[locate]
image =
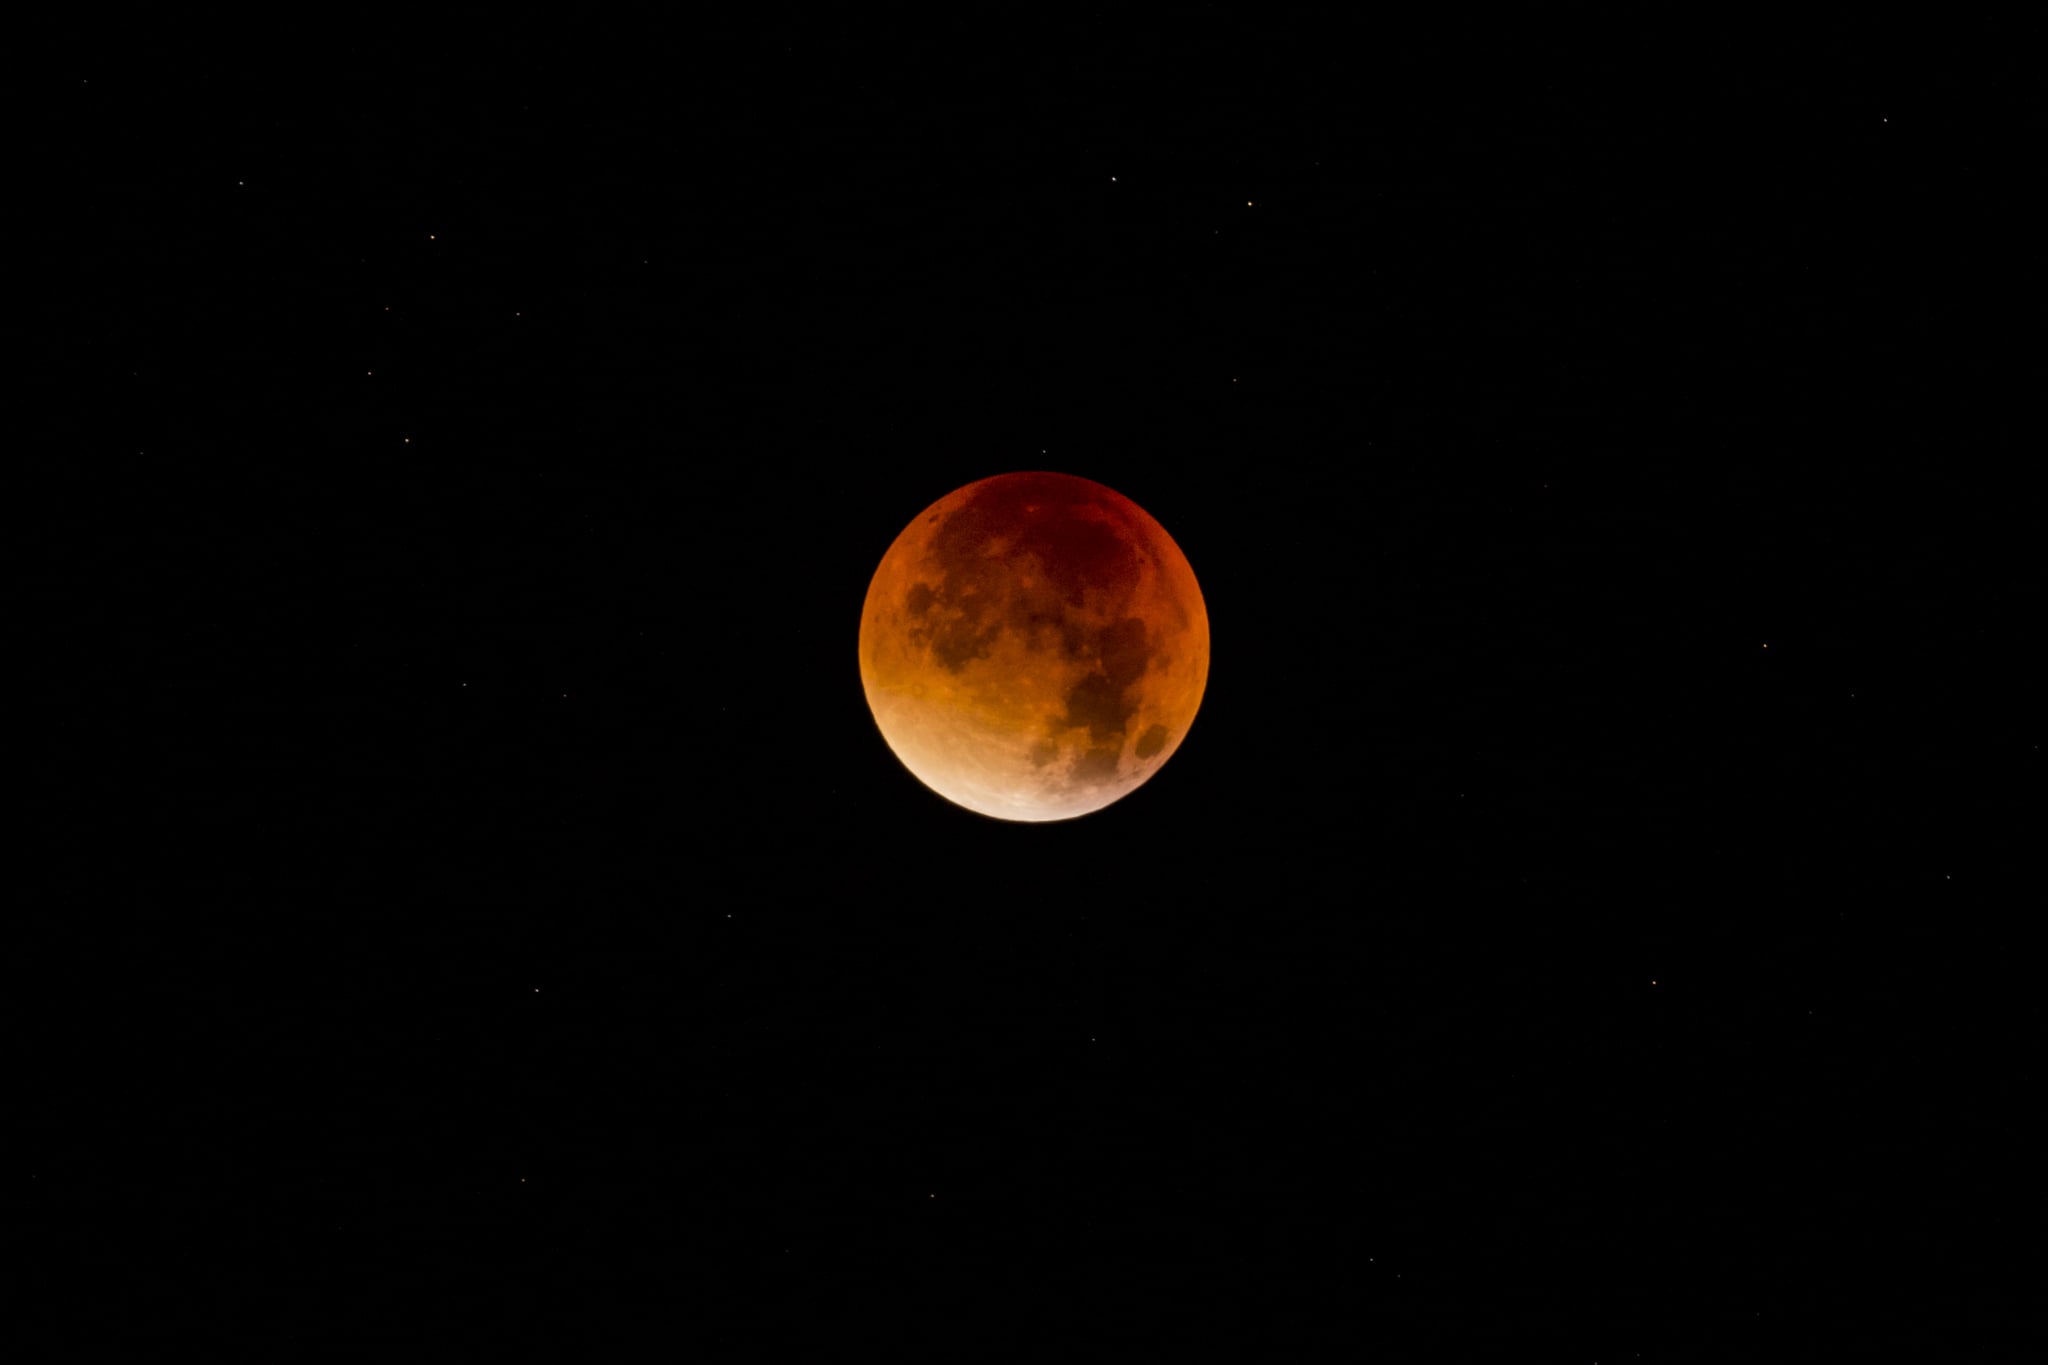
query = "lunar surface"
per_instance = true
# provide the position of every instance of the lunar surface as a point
(1034, 646)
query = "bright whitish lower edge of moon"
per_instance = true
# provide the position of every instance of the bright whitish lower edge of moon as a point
(1034, 647)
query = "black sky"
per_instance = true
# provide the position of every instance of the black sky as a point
(465, 887)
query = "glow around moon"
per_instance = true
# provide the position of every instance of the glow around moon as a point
(1034, 646)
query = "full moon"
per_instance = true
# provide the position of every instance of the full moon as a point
(1034, 646)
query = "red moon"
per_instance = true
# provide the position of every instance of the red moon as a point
(1034, 646)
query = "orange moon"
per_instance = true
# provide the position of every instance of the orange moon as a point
(1034, 646)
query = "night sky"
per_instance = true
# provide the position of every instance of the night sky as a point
(465, 892)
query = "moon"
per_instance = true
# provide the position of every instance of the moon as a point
(1034, 646)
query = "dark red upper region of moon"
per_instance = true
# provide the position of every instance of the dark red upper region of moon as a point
(1034, 646)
